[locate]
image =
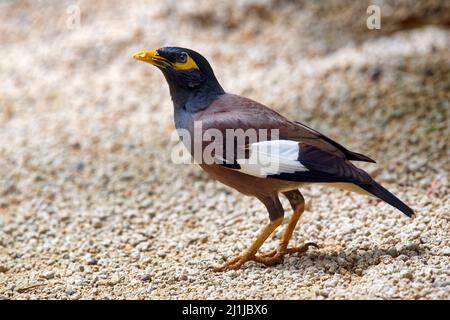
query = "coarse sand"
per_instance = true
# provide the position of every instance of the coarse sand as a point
(92, 207)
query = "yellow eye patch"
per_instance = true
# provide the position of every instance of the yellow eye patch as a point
(188, 65)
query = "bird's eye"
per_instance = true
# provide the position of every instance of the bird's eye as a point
(183, 57)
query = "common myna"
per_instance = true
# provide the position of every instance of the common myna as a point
(287, 156)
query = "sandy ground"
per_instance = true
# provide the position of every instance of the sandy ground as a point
(92, 207)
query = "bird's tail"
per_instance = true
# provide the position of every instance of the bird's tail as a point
(380, 192)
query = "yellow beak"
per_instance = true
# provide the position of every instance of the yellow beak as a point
(152, 57)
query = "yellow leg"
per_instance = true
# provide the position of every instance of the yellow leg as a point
(276, 256)
(249, 254)
(287, 234)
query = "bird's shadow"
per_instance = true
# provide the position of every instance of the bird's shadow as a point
(354, 261)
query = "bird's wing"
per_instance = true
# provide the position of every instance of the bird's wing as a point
(236, 112)
(297, 153)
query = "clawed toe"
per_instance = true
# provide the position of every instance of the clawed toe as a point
(275, 257)
(270, 258)
(234, 263)
(301, 249)
(268, 254)
(298, 249)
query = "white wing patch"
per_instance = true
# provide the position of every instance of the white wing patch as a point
(272, 158)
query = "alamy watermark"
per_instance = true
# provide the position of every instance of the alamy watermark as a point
(230, 147)
(73, 20)
(374, 20)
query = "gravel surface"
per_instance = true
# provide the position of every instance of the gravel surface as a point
(92, 207)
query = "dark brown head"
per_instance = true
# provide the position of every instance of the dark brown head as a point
(187, 72)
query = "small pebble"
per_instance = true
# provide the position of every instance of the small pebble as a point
(424, 240)
(407, 275)
(146, 277)
(70, 291)
(48, 275)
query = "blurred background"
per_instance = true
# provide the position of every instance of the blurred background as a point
(92, 207)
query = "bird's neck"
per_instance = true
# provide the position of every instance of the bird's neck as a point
(197, 99)
(187, 104)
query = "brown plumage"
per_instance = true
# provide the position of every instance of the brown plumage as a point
(302, 155)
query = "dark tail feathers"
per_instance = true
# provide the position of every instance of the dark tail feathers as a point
(380, 192)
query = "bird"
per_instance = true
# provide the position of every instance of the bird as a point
(294, 154)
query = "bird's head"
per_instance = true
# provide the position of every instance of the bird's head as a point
(185, 70)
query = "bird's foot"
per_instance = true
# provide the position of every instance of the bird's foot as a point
(235, 263)
(274, 257)
(270, 258)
